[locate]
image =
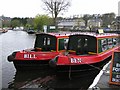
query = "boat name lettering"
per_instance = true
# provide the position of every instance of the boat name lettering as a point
(29, 55)
(75, 60)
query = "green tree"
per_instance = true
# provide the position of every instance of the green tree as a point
(6, 23)
(41, 20)
(15, 23)
(29, 24)
(23, 21)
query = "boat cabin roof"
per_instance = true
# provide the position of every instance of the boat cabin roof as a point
(66, 34)
(104, 35)
(57, 35)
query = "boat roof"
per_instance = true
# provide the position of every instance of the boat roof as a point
(103, 35)
(66, 34)
(57, 35)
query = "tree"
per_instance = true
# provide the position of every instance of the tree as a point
(108, 18)
(15, 23)
(41, 20)
(86, 17)
(23, 21)
(30, 23)
(54, 7)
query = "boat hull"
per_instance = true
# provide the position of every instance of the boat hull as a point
(82, 67)
(28, 64)
(31, 65)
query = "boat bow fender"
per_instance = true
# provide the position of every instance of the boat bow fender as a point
(11, 57)
(63, 60)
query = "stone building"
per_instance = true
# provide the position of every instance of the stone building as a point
(72, 23)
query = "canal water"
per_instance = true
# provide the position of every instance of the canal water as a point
(42, 79)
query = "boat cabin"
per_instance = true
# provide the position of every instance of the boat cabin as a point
(51, 42)
(80, 44)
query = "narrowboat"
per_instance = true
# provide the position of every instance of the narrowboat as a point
(46, 47)
(86, 51)
(30, 31)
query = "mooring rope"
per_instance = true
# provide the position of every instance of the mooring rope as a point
(70, 72)
(98, 68)
(94, 67)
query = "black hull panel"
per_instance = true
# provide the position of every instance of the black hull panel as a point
(85, 67)
(31, 65)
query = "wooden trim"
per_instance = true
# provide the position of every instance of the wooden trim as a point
(111, 67)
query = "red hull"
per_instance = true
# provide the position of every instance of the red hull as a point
(31, 59)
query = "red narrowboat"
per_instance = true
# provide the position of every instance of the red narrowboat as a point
(86, 51)
(46, 47)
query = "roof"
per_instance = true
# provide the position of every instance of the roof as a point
(96, 35)
(66, 34)
(58, 35)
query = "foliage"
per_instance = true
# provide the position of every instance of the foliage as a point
(15, 23)
(6, 23)
(41, 20)
(30, 23)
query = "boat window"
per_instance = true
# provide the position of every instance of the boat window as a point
(107, 43)
(102, 45)
(110, 42)
(48, 41)
(63, 43)
(45, 42)
(82, 44)
(115, 41)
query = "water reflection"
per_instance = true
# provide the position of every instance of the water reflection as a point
(28, 78)
(46, 79)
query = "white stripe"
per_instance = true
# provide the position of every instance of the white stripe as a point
(97, 78)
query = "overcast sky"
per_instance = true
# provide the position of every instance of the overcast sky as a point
(30, 8)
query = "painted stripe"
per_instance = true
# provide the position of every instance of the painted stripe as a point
(97, 78)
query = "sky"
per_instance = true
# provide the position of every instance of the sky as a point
(30, 8)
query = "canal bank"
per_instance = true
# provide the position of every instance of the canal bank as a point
(102, 80)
